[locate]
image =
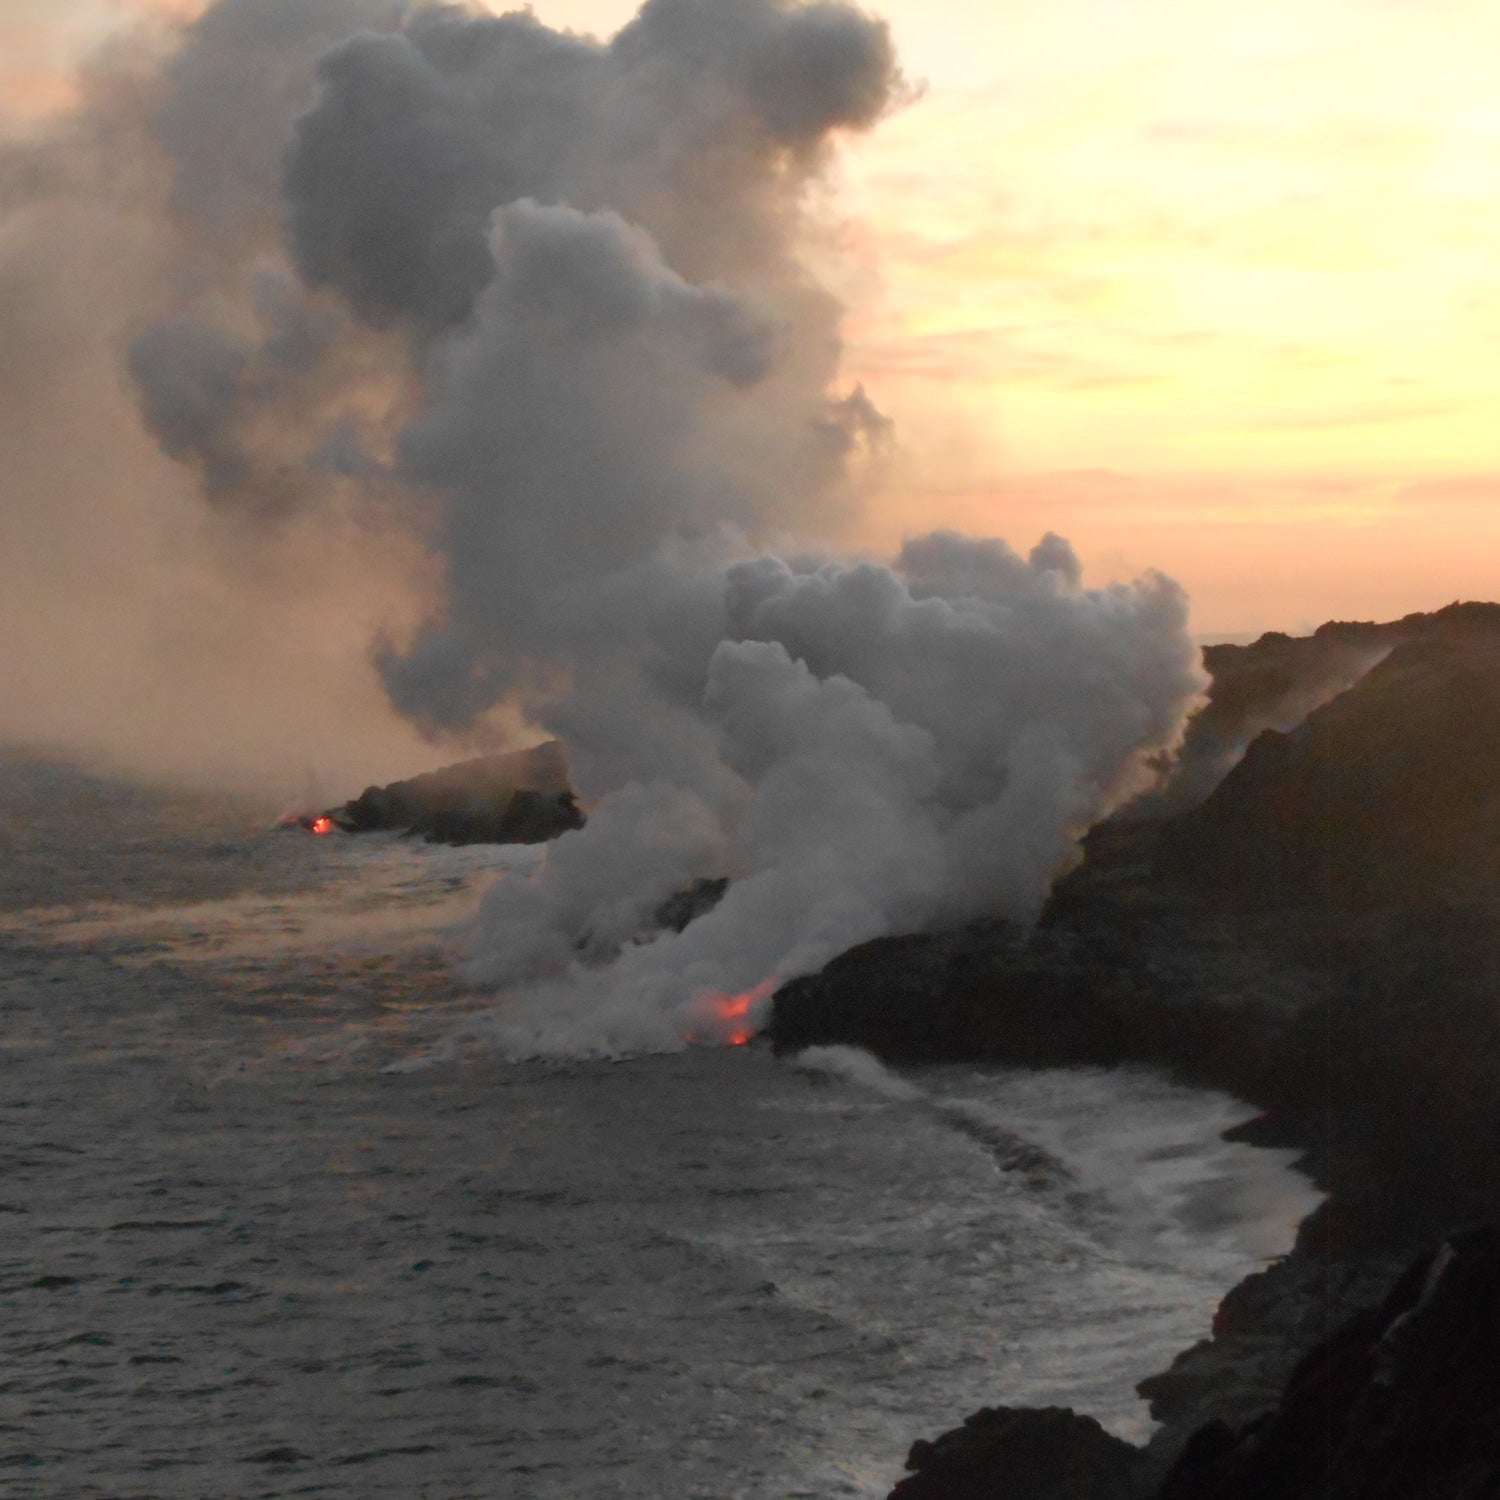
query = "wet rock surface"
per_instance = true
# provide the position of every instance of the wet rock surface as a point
(1260, 1333)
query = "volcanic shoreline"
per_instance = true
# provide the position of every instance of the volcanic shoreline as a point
(1305, 918)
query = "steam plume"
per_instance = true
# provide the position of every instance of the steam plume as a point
(520, 317)
(883, 749)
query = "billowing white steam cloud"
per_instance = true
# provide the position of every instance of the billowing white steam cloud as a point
(883, 749)
(538, 301)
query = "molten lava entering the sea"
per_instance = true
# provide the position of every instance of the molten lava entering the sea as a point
(734, 1012)
(309, 822)
(730, 1020)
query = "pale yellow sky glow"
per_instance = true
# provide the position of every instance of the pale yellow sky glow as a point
(1213, 288)
(1204, 286)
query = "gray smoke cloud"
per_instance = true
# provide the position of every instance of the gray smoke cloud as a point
(594, 249)
(702, 122)
(517, 323)
(158, 350)
(212, 397)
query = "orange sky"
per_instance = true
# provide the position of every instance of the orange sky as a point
(1204, 286)
(1214, 287)
(43, 41)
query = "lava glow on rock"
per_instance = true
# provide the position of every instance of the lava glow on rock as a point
(321, 825)
(734, 1012)
(729, 1020)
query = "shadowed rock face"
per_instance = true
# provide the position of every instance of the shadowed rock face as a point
(1401, 1403)
(521, 798)
(1017, 998)
(1388, 793)
(1276, 682)
(689, 904)
(1005, 1453)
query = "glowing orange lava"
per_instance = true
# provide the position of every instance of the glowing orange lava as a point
(321, 825)
(736, 1010)
(727, 1018)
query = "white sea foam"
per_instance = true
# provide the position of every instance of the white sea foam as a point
(855, 1065)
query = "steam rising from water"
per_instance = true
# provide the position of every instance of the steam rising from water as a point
(883, 749)
(492, 346)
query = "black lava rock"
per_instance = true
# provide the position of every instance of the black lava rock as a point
(520, 798)
(1019, 1453)
(1402, 1402)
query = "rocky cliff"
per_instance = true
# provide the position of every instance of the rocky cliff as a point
(1400, 1402)
(1315, 928)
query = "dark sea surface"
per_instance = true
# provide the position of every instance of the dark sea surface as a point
(273, 1223)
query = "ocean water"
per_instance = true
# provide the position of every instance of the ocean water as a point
(274, 1222)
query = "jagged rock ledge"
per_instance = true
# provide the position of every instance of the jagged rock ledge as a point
(1401, 1402)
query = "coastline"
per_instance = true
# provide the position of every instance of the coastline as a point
(1344, 1029)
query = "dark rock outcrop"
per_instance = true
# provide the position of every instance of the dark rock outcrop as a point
(1136, 986)
(1261, 1330)
(1402, 1402)
(1276, 682)
(690, 903)
(1397, 1397)
(1391, 791)
(520, 798)
(1010, 1453)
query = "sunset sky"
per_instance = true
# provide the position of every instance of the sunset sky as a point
(1203, 286)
